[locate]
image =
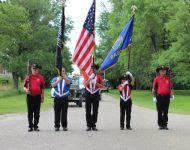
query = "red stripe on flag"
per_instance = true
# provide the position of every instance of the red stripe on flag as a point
(81, 46)
(81, 35)
(83, 51)
(88, 63)
(88, 50)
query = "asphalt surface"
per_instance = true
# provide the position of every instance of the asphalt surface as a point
(144, 136)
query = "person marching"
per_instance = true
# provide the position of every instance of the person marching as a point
(125, 99)
(162, 93)
(34, 88)
(92, 85)
(60, 92)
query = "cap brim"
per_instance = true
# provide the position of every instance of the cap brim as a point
(158, 69)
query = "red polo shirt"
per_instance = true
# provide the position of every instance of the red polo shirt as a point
(163, 85)
(36, 84)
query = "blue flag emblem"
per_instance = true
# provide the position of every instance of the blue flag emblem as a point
(123, 42)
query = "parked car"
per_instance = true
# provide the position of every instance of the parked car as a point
(77, 90)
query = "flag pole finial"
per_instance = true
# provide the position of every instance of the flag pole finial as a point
(63, 3)
(133, 8)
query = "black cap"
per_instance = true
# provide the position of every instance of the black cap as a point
(124, 77)
(95, 66)
(161, 68)
(36, 66)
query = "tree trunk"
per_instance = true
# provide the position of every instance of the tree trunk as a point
(165, 40)
(153, 40)
(15, 79)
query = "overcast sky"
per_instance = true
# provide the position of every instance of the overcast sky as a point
(77, 10)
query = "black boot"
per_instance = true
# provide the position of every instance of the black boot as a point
(94, 129)
(56, 129)
(36, 129)
(30, 129)
(88, 129)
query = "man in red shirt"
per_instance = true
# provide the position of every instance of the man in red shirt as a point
(163, 91)
(93, 84)
(34, 88)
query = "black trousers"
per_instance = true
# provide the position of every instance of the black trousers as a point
(162, 105)
(125, 108)
(33, 105)
(92, 105)
(60, 111)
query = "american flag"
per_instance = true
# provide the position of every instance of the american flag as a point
(83, 53)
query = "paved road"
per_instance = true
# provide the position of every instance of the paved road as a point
(144, 136)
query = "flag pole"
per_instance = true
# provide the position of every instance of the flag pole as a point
(129, 59)
(63, 21)
(133, 8)
(94, 33)
(28, 74)
(62, 30)
(63, 27)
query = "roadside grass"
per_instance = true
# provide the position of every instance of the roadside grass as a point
(16, 102)
(143, 98)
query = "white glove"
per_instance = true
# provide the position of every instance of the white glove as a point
(93, 81)
(60, 78)
(126, 82)
(172, 97)
(154, 99)
(92, 76)
(129, 73)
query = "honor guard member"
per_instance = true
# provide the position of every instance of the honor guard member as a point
(92, 85)
(60, 92)
(163, 92)
(34, 88)
(124, 88)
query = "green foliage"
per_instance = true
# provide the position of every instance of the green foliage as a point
(178, 53)
(29, 30)
(160, 36)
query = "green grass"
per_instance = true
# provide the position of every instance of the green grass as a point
(16, 103)
(180, 105)
(7, 90)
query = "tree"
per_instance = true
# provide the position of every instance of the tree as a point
(40, 44)
(177, 56)
(15, 29)
(160, 36)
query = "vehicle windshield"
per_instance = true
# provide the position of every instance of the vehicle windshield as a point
(75, 81)
(81, 80)
(78, 80)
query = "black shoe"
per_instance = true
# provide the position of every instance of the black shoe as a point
(121, 128)
(30, 129)
(88, 129)
(129, 128)
(166, 128)
(65, 129)
(36, 129)
(161, 128)
(56, 129)
(94, 129)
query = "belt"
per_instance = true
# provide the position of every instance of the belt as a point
(163, 95)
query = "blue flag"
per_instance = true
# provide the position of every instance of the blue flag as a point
(123, 42)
